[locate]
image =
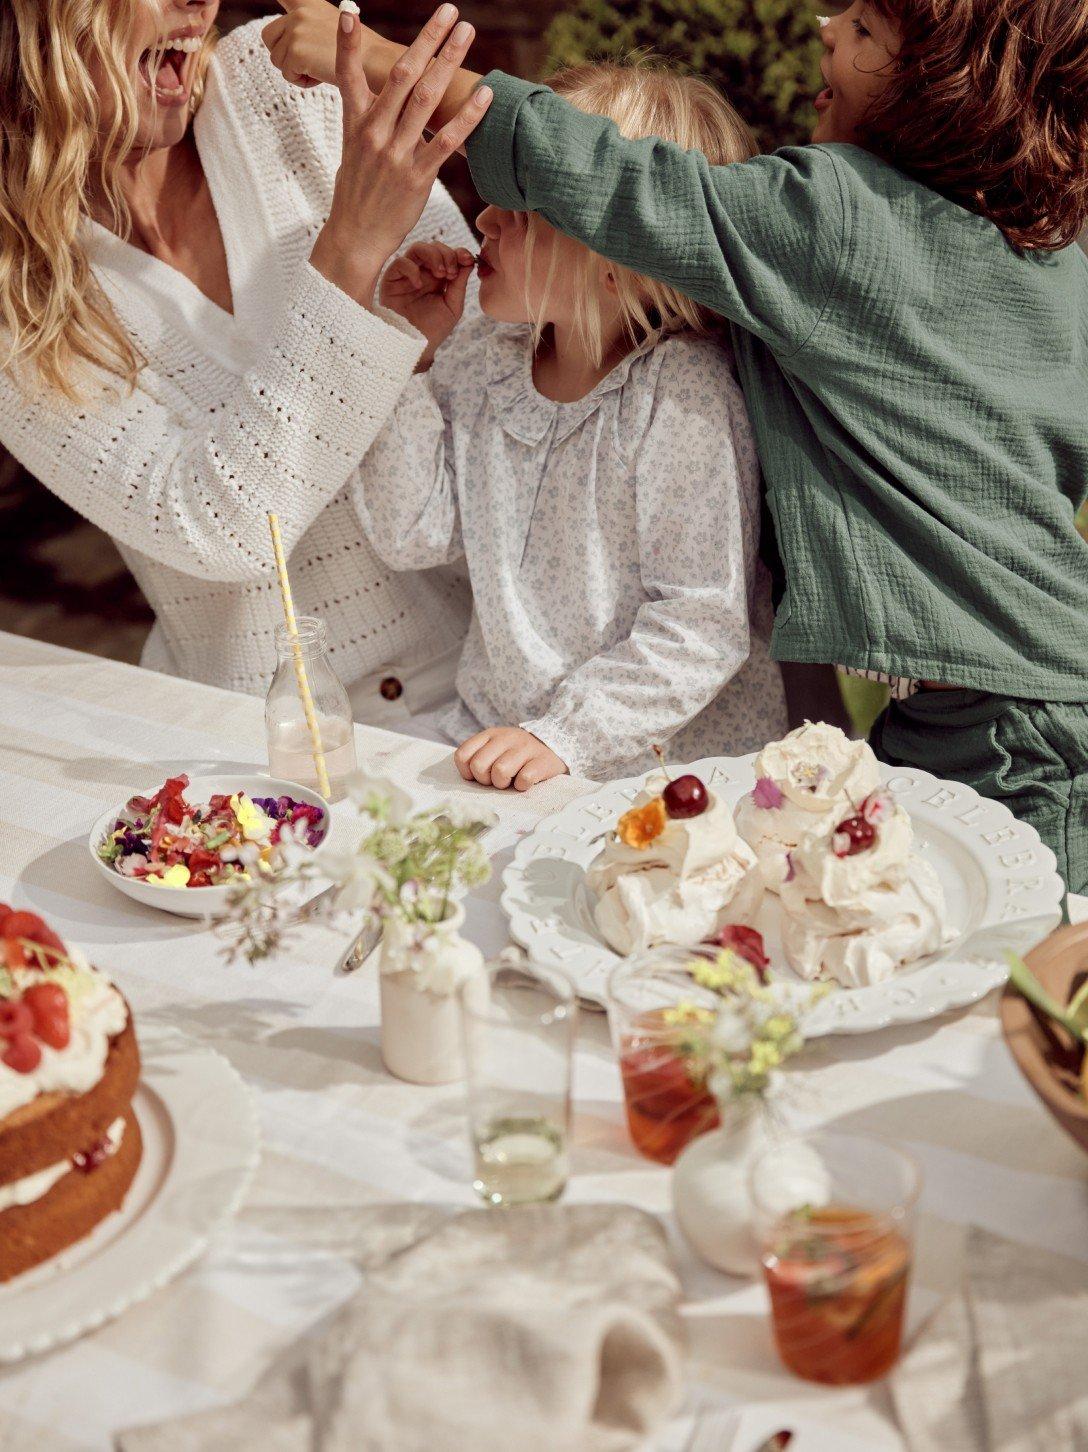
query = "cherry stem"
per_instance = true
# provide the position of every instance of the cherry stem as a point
(657, 751)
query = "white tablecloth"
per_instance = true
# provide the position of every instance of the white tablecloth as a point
(77, 735)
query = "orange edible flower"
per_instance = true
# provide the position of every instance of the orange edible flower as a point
(643, 825)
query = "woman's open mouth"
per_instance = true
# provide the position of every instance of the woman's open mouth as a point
(484, 267)
(824, 99)
(166, 68)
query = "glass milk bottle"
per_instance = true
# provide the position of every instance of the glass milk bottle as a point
(290, 746)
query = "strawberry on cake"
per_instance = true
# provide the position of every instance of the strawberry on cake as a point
(69, 1064)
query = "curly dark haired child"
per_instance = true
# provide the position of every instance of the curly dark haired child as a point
(910, 319)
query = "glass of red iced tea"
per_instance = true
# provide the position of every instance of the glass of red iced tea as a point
(834, 1216)
(659, 1018)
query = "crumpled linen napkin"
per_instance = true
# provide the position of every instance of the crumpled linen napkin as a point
(532, 1329)
(1000, 1367)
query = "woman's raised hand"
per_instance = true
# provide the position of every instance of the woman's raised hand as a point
(387, 168)
(426, 286)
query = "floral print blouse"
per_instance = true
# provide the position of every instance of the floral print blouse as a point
(611, 544)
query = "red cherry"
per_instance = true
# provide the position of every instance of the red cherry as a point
(48, 1004)
(15, 1018)
(22, 1054)
(686, 797)
(853, 835)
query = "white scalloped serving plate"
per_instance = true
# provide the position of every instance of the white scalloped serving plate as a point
(995, 870)
(200, 1148)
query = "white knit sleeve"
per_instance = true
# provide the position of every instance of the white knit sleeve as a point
(193, 492)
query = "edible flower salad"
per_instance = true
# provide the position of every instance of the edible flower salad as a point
(168, 842)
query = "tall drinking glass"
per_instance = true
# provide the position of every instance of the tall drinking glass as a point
(519, 1024)
(659, 1018)
(837, 1265)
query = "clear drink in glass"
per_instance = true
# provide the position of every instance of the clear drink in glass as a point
(518, 1024)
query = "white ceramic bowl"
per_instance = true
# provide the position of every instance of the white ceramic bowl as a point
(195, 902)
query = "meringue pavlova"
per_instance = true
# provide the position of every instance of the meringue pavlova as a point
(860, 903)
(805, 783)
(674, 870)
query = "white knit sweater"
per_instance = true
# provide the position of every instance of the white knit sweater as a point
(272, 408)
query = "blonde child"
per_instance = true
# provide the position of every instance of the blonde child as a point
(585, 447)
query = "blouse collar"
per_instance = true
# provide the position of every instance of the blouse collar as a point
(524, 412)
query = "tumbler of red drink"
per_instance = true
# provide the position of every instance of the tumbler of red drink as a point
(837, 1269)
(660, 1017)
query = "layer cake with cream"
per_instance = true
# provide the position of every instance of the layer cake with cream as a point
(69, 1066)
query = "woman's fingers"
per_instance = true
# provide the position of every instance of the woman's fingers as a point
(350, 74)
(429, 90)
(414, 62)
(456, 132)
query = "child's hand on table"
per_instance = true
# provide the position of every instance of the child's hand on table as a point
(426, 286)
(505, 756)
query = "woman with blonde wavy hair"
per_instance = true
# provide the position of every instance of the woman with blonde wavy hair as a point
(189, 250)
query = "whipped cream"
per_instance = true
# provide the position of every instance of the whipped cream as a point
(691, 880)
(858, 919)
(811, 779)
(96, 1015)
(33, 1187)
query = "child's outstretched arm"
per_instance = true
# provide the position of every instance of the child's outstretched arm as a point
(696, 486)
(760, 241)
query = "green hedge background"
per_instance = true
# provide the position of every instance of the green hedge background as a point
(763, 54)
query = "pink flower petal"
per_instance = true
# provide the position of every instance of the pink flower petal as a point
(767, 794)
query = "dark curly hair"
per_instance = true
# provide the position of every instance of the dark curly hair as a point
(987, 103)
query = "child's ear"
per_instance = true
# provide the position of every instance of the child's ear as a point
(610, 282)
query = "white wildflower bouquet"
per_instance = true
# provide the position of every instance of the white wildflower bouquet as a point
(408, 866)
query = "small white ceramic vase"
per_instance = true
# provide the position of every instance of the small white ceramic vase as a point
(421, 966)
(710, 1194)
